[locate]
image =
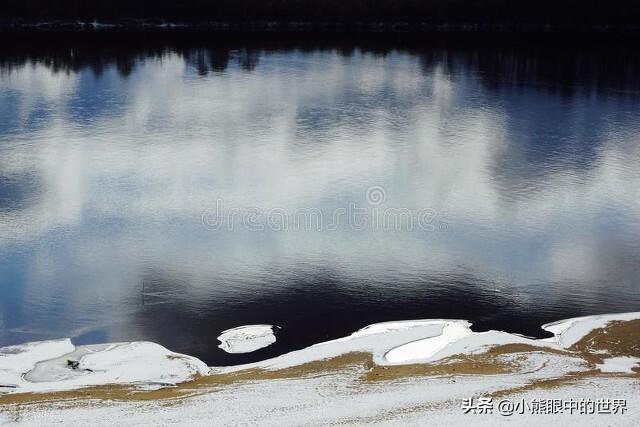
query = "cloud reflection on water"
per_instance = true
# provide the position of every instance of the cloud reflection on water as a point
(105, 175)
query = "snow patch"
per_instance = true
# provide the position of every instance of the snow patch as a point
(570, 331)
(59, 365)
(18, 359)
(619, 364)
(428, 347)
(456, 338)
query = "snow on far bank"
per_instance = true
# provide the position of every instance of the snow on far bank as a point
(619, 364)
(245, 339)
(47, 366)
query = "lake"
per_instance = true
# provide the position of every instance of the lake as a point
(167, 191)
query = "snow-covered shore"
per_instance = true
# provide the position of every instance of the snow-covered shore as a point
(421, 371)
(420, 341)
(48, 365)
(338, 400)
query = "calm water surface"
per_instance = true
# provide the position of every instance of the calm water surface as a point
(155, 194)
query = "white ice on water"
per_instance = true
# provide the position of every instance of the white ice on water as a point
(248, 338)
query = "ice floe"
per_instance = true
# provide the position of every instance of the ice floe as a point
(245, 339)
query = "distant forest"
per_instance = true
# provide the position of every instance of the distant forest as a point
(574, 13)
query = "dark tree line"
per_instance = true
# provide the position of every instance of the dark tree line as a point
(584, 63)
(455, 12)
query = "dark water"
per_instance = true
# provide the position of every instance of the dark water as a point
(166, 192)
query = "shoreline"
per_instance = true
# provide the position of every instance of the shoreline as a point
(590, 361)
(42, 367)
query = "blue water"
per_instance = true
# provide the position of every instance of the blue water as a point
(169, 194)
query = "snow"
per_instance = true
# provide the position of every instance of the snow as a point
(338, 399)
(428, 347)
(456, 339)
(377, 328)
(376, 339)
(41, 367)
(619, 364)
(245, 339)
(44, 366)
(18, 359)
(570, 331)
(400, 343)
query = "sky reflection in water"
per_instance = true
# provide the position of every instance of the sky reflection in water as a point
(533, 179)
